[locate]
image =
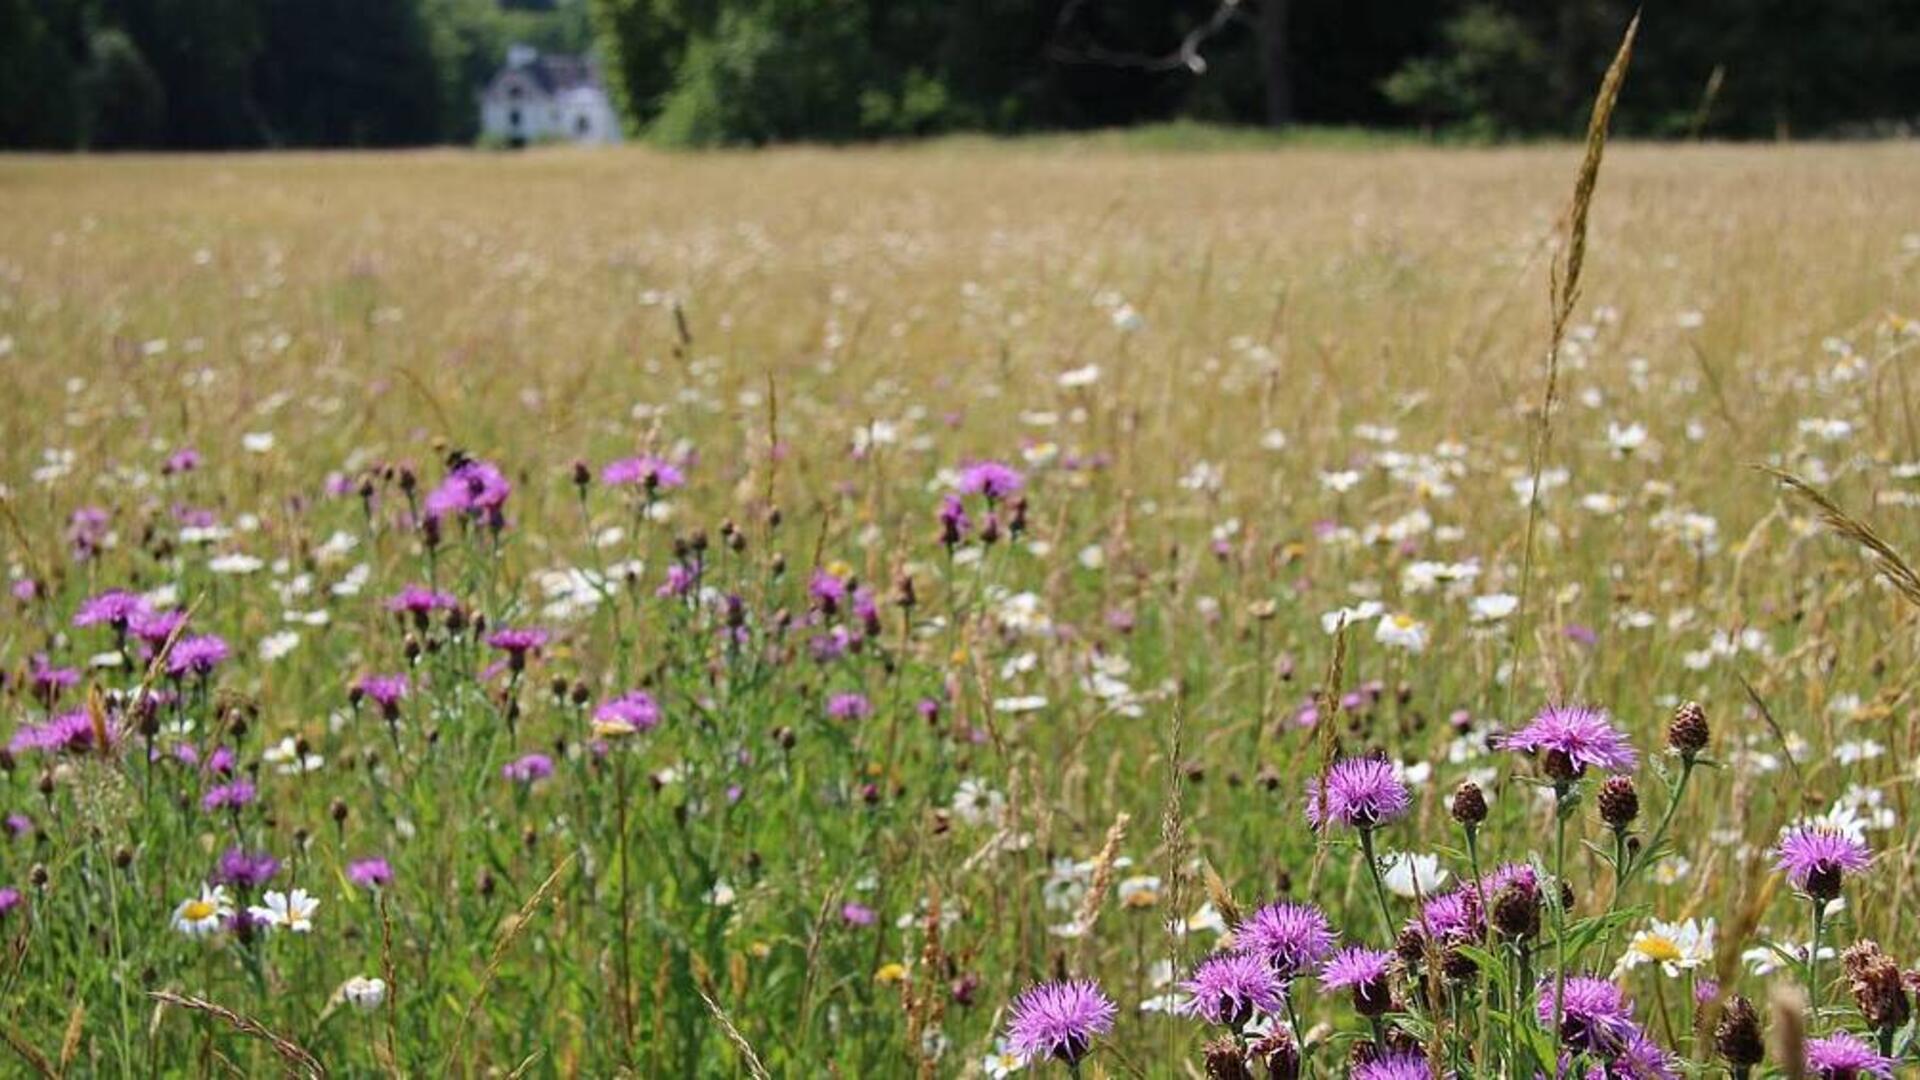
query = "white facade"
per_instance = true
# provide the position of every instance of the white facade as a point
(539, 98)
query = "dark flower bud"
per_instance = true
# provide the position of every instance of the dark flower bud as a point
(1874, 979)
(1224, 1060)
(559, 687)
(338, 809)
(1560, 767)
(964, 989)
(1457, 965)
(785, 737)
(485, 884)
(1688, 733)
(123, 857)
(46, 782)
(903, 593)
(1373, 998)
(6, 761)
(1277, 1051)
(1824, 880)
(1619, 803)
(1737, 1037)
(582, 475)
(1411, 945)
(1469, 805)
(773, 517)
(1516, 912)
(581, 692)
(38, 876)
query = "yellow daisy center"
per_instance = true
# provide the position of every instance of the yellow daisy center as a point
(1657, 947)
(197, 910)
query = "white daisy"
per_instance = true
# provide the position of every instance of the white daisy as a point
(1676, 947)
(201, 915)
(286, 911)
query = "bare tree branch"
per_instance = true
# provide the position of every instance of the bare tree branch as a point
(1186, 55)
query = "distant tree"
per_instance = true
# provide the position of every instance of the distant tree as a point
(642, 44)
(124, 102)
(203, 53)
(39, 48)
(348, 73)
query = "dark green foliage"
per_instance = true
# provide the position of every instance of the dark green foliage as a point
(38, 72)
(125, 101)
(232, 73)
(348, 73)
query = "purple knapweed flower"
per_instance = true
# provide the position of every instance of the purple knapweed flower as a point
(385, 691)
(371, 873)
(197, 655)
(1363, 971)
(87, 532)
(1361, 793)
(68, 732)
(1397, 1065)
(1639, 1059)
(1845, 1056)
(635, 710)
(419, 601)
(9, 899)
(1292, 938)
(827, 590)
(954, 522)
(645, 471)
(49, 681)
(1059, 1020)
(1453, 916)
(18, 825)
(184, 460)
(1229, 988)
(1817, 858)
(854, 914)
(991, 479)
(115, 608)
(517, 643)
(1595, 1016)
(849, 707)
(221, 761)
(155, 627)
(1573, 739)
(528, 769)
(231, 796)
(245, 870)
(679, 581)
(477, 489)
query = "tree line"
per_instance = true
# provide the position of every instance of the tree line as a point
(242, 73)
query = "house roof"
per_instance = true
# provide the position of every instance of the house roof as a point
(553, 74)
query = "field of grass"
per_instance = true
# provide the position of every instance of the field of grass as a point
(789, 782)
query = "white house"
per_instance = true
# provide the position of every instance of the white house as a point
(538, 98)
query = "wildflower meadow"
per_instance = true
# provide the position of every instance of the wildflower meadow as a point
(1049, 609)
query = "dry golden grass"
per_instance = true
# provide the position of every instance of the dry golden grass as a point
(546, 307)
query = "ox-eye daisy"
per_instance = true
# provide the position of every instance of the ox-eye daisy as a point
(1676, 947)
(287, 911)
(202, 915)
